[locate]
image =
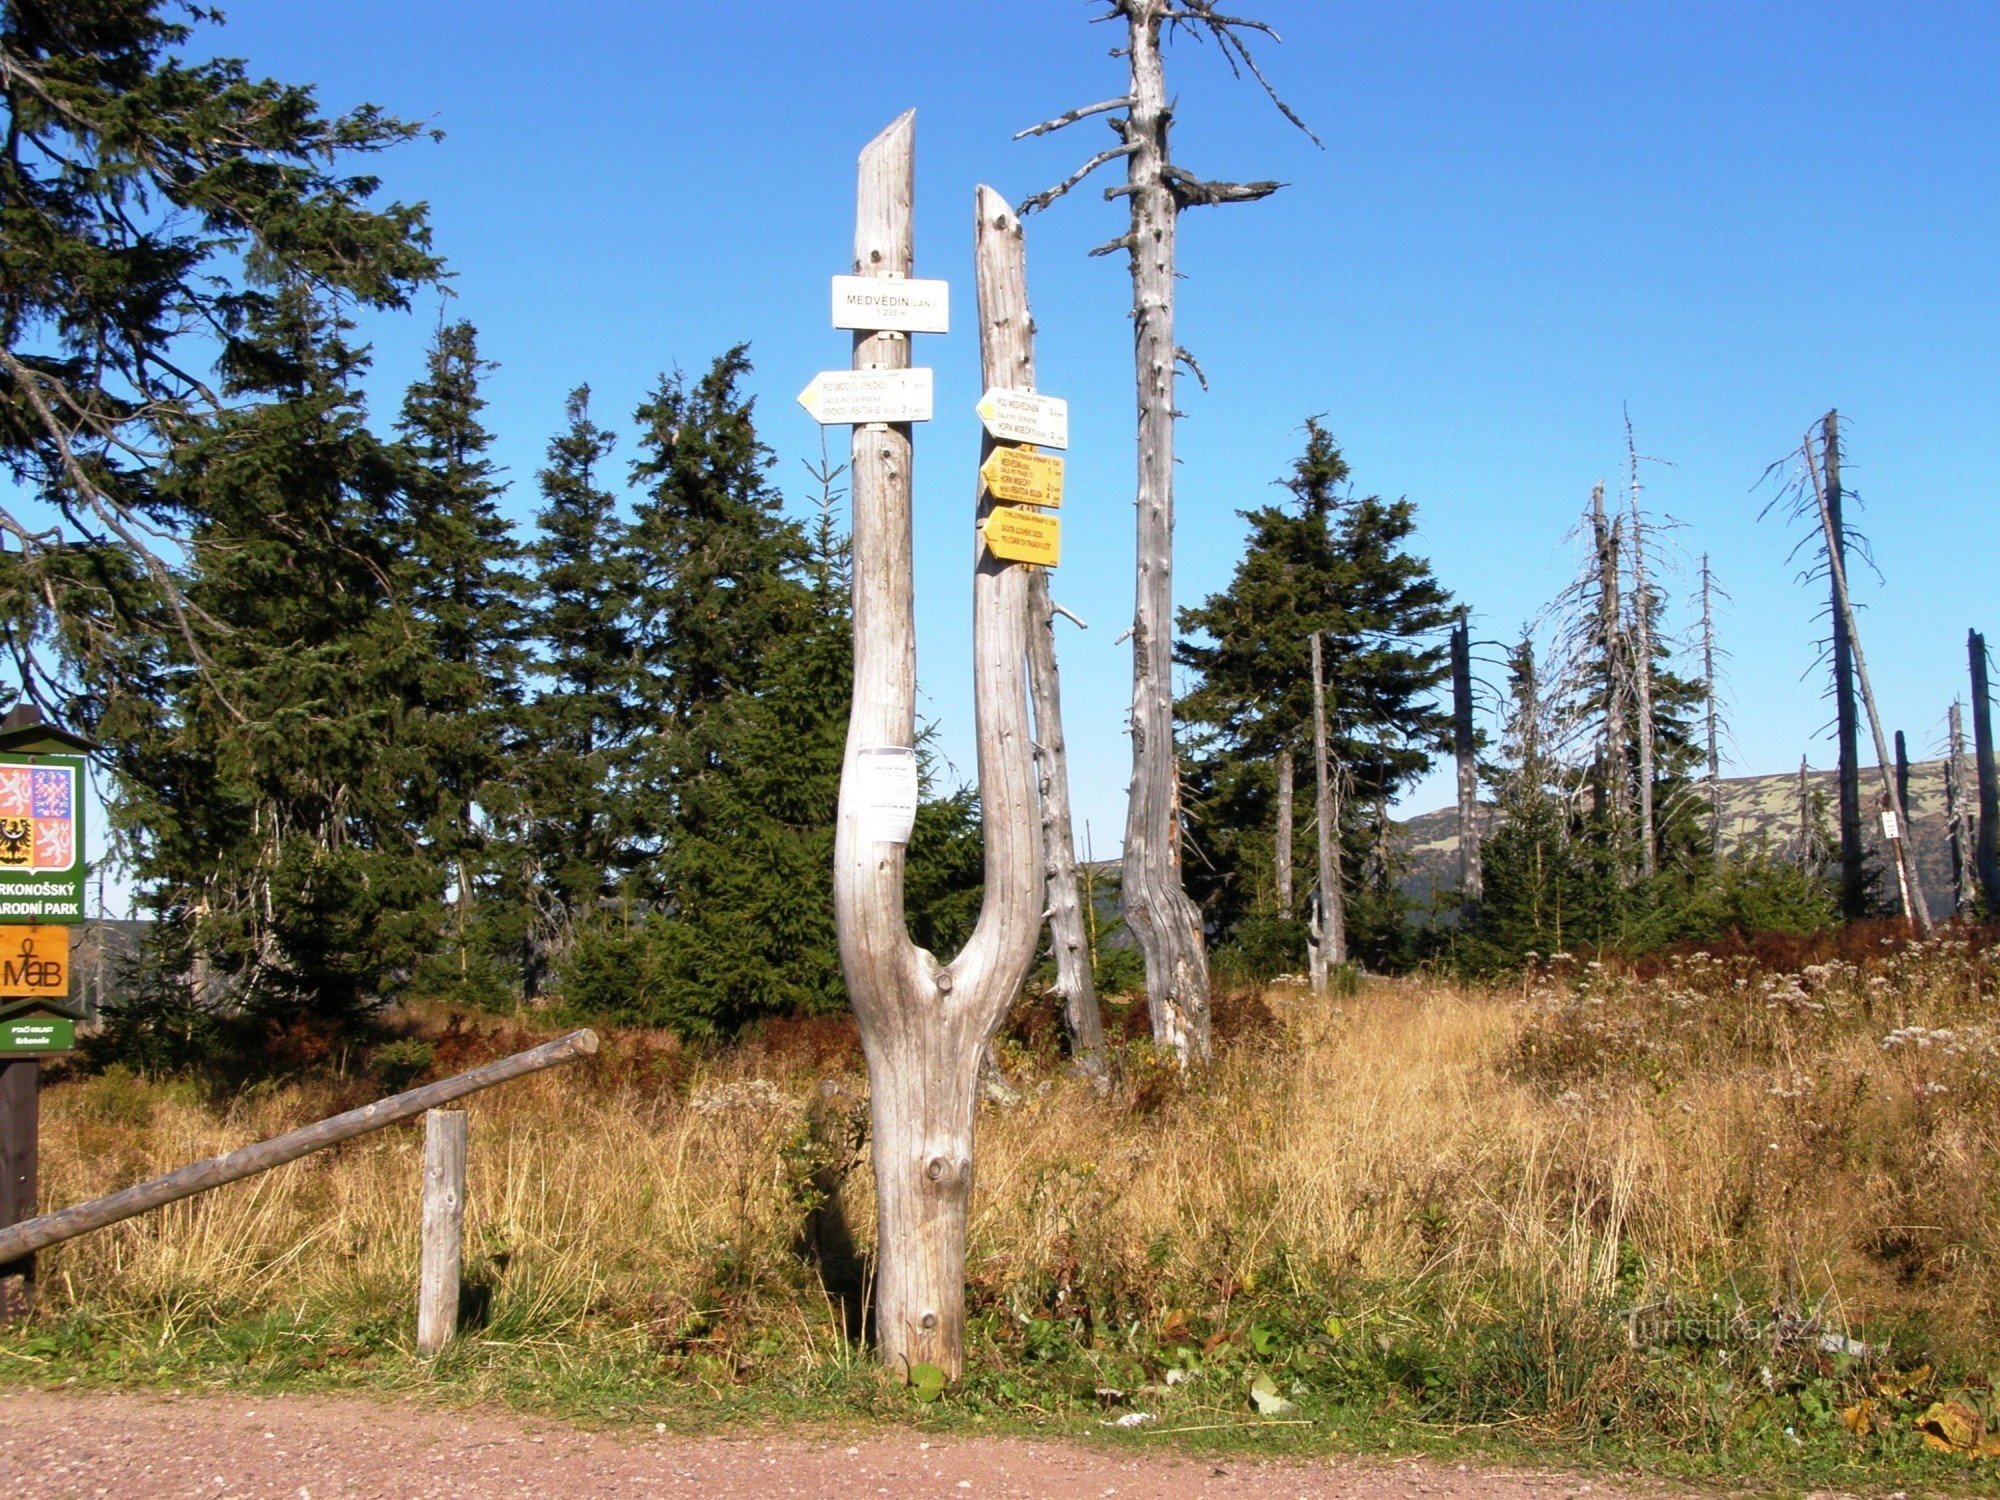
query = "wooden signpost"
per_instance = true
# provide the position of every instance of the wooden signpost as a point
(41, 891)
(1022, 476)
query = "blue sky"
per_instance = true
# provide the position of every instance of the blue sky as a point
(1727, 217)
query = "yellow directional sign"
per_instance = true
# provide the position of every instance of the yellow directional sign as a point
(1023, 476)
(1017, 535)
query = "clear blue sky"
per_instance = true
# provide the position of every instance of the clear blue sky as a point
(1730, 217)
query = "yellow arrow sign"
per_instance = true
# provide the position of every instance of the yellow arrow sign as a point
(1016, 535)
(1023, 476)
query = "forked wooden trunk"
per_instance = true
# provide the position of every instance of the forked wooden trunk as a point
(925, 1025)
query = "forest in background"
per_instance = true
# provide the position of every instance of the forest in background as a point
(367, 743)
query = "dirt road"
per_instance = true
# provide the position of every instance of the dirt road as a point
(137, 1447)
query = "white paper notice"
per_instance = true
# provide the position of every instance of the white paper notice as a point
(884, 795)
(1889, 828)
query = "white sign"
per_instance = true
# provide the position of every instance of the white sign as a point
(845, 396)
(883, 792)
(897, 302)
(1889, 828)
(1024, 417)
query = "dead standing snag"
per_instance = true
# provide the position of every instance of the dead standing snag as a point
(1163, 919)
(925, 1025)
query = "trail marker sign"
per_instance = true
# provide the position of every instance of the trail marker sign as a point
(1021, 476)
(1025, 417)
(836, 397)
(1015, 534)
(891, 303)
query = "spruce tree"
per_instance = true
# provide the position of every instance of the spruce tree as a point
(582, 721)
(143, 193)
(1338, 564)
(457, 576)
(264, 803)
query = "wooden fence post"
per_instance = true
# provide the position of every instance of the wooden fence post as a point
(442, 1255)
(20, 1083)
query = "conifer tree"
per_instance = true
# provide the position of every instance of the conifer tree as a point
(143, 193)
(583, 719)
(264, 802)
(1338, 564)
(457, 574)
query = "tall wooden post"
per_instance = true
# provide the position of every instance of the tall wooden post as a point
(1075, 983)
(1987, 847)
(1710, 713)
(1908, 886)
(441, 1257)
(1281, 848)
(1957, 815)
(1471, 875)
(1329, 927)
(1642, 668)
(20, 1126)
(925, 1025)
(1616, 791)
(1853, 871)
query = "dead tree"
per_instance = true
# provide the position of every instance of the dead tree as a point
(1068, 941)
(1907, 884)
(1281, 846)
(1471, 876)
(1809, 852)
(1709, 715)
(1987, 847)
(1163, 920)
(1641, 664)
(1328, 931)
(1853, 871)
(1957, 814)
(925, 1025)
(1615, 679)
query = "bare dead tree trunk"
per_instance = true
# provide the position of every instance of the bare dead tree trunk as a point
(1908, 885)
(1157, 908)
(1617, 791)
(1282, 851)
(1853, 874)
(1987, 856)
(1709, 716)
(1329, 931)
(1163, 920)
(1075, 983)
(924, 1025)
(1957, 816)
(1471, 875)
(1642, 666)
(1806, 828)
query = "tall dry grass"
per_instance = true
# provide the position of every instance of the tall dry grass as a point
(1814, 1148)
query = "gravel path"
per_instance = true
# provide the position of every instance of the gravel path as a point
(137, 1447)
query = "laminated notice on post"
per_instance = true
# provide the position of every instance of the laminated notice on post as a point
(1889, 828)
(885, 793)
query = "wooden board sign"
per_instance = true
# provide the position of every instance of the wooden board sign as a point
(900, 303)
(1025, 417)
(1017, 535)
(1021, 476)
(836, 397)
(34, 962)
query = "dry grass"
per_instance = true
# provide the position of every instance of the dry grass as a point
(1789, 1156)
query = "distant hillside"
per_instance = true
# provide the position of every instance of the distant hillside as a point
(1754, 809)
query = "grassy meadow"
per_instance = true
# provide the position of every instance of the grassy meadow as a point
(1735, 1213)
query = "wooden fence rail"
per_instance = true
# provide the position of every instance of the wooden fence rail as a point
(246, 1161)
